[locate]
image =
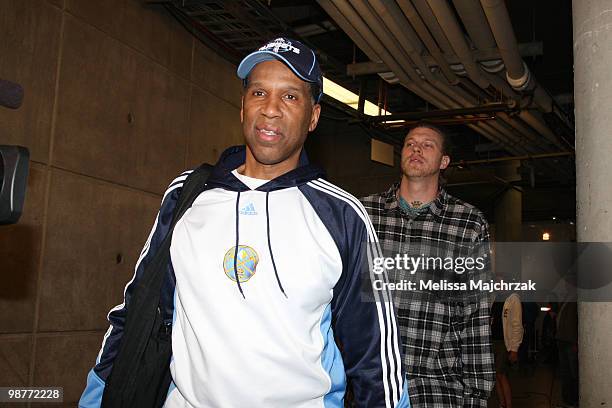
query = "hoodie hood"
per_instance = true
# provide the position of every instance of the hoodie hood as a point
(235, 156)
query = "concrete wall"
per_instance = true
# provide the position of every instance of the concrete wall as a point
(119, 99)
(343, 150)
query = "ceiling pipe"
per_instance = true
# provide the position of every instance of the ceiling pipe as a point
(473, 16)
(495, 131)
(450, 26)
(355, 24)
(535, 120)
(446, 113)
(346, 17)
(374, 28)
(473, 89)
(497, 15)
(501, 85)
(509, 137)
(475, 22)
(454, 34)
(376, 35)
(489, 129)
(432, 24)
(447, 92)
(390, 19)
(348, 28)
(517, 72)
(503, 159)
(519, 125)
(529, 139)
(417, 23)
(407, 29)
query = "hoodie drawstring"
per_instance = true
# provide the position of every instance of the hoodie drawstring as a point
(236, 247)
(280, 285)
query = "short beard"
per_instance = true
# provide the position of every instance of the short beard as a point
(421, 172)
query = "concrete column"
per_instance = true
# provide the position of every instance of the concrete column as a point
(509, 208)
(508, 224)
(592, 22)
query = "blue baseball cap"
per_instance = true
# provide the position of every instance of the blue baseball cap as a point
(298, 57)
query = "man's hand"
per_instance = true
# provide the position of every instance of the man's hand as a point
(512, 357)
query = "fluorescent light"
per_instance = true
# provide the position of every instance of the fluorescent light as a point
(340, 93)
(545, 309)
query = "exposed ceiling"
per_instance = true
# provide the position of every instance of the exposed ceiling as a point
(498, 74)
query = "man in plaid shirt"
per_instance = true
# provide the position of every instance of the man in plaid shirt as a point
(445, 334)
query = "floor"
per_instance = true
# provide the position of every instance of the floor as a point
(533, 386)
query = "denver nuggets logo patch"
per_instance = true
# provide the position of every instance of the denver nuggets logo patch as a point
(246, 263)
(280, 45)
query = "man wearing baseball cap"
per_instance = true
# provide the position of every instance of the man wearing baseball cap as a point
(272, 302)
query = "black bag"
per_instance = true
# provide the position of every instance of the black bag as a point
(140, 376)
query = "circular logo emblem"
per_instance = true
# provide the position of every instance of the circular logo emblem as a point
(246, 263)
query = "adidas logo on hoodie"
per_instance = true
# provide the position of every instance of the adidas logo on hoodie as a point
(249, 209)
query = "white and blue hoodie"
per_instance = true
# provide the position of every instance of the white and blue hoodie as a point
(296, 327)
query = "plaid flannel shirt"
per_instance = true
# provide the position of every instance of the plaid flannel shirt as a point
(446, 343)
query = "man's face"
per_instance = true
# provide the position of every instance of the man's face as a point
(277, 114)
(422, 153)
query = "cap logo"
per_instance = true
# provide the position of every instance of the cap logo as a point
(280, 45)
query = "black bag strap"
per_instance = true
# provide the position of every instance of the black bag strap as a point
(143, 311)
(192, 187)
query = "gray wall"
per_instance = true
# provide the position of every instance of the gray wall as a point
(343, 150)
(119, 99)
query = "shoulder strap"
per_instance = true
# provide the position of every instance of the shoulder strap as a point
(193, 186)
(130, 368)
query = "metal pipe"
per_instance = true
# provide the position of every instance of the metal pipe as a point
(353, 25)
(517, 73)
(352, 22)
(503, 159)
(534, 120)
(432, 24)
(331, 9)
(490, 132)
(443, 121)
(475, 22)
(407, 29)
(417, 23)
(473, 89)
(390, 14)
(499, 20)
(476, 110)
(357, 11)
(521, 138)
(453, 32)
(487, 128)
(386, 41)
(533, 137)
(503, 86)
(504, 136)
